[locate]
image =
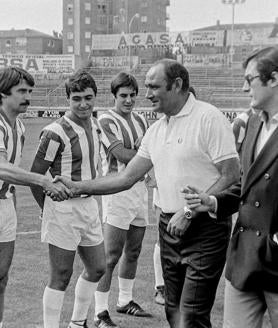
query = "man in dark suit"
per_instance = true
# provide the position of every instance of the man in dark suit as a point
(252, 263)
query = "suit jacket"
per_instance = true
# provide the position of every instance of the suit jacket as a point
(252, 259)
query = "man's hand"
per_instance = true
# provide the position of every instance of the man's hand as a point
(198, 200)
(178, 224)
(57, 191)
(69, 184)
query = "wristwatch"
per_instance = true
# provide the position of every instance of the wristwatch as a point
(187, 213)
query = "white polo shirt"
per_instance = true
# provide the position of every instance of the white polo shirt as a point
(184, 150)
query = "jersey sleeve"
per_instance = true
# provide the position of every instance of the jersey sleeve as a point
(50, 144)
(110, 133)
(3, 134)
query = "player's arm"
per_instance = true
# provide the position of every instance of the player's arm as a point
(16, 175)
(111, 184)
(122, 154)
(45, 155)
(39, 166)
(113, 143)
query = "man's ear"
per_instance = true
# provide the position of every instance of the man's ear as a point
(274, 79)
(178, 84)
(3, 95)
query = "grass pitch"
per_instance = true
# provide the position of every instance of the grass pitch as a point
(29, 272)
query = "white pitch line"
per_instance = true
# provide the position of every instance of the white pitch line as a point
(27, 232)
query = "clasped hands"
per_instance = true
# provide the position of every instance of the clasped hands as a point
(197, 201)
(61, 188)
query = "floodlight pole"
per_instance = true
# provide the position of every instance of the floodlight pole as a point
(129, 41)
(233, 3)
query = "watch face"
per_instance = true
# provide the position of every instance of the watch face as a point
(187, 213)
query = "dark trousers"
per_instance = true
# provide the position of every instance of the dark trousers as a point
(192, 266)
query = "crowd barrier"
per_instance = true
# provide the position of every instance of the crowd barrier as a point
(148, 113)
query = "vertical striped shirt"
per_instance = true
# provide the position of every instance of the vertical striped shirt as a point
(117, 130)
(71, 150)
(11, 143)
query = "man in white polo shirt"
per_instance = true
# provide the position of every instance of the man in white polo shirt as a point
(192, 142)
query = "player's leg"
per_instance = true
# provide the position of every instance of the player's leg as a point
(93, 258)
(114, 240)
(8, 223)
(127, 272)
(6, 255)
(158, 276)
(61, 265)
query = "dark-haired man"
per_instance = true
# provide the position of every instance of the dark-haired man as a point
(252, 258)
(16, 86)
(70, 146)
(125, 214)
(192, 142)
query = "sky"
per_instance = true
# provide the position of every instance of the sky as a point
(46, 15)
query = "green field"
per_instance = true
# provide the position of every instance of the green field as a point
(29, 271)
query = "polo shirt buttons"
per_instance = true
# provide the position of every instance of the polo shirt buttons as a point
(241, 229)
(257, 204)
(267, 176)
(241, 203)
(258, 233)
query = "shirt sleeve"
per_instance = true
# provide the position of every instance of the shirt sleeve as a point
(50, 144)
(218, 137)
(2, 140)
(111, 133)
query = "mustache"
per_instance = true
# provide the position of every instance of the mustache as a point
(26, 103)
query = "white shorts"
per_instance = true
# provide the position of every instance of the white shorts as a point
(71, 223)
(8, 220)
(129, 207)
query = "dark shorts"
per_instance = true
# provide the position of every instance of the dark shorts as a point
(192, 266)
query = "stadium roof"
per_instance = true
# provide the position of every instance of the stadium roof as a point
(23, 33)
(236, 26)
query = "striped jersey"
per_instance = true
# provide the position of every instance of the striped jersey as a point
(71, 150)
(117, 130)
(11, 142)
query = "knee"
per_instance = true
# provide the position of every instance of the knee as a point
(112, 258)
(60, 278)
(94, 274)
(100, 270)
(3, 283)
(131, 255)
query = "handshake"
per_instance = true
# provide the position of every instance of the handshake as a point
(61, 188)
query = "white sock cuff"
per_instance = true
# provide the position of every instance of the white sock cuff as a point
(157, 247)
(85, 282)
(54, 296)
(126, 283)
(101, 302)
(158, 275)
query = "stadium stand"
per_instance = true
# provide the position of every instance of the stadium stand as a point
(219, 86)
